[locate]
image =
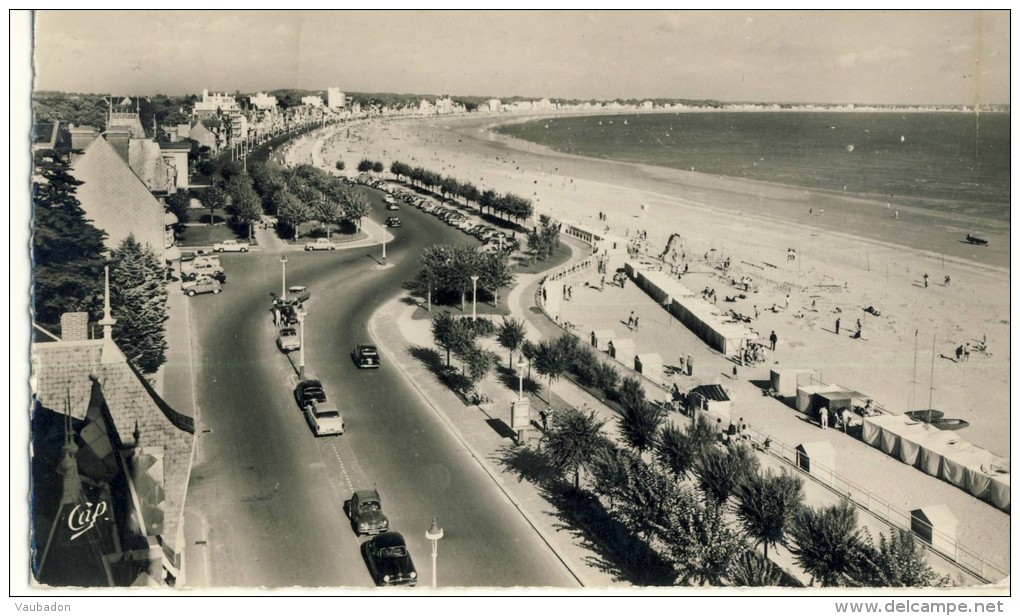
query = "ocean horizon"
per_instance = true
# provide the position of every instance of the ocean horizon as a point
(951, 163)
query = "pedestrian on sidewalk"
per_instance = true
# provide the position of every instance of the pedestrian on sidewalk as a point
(773, 339)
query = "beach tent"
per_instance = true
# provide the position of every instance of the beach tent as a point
(600, 338)
(711, 399)
(649, 364)
(622, 349)
(836, 401)
(817, 458)
(785, 381)
(936, 525)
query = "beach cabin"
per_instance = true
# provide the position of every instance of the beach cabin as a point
(836, 401)
(806, 394)
(936, 526)
(817, 458)
(622, 350)
(785, 381)
(711, 400)
(649, 364)
(600, 338)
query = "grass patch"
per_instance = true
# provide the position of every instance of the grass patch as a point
(206, 236)
(559, 256)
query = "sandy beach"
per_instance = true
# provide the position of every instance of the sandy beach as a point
(852, 256)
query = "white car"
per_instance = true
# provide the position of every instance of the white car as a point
(324, 418)
(320, 244)
(231, 246)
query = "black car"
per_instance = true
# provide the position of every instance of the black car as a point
(365, 356)
(389, 562)
(393, 221)
(308, 391)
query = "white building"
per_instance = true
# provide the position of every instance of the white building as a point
(336, 99)
(495, 105)
(312, 101)
(444, 105)
(213, 104)
(263, 101)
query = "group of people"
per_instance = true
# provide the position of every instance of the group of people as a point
(568, 291)
(632, 321)
(709, 294)
(963, 352)
(791, 254)
(733, 433)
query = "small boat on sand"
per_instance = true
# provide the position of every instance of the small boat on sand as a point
(938, 419)
(980, 241)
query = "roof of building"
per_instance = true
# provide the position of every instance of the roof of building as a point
(714, 393)
(116, 200)
(147, 162)
(44, 133)
(61, 372)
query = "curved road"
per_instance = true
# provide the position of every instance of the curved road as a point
(271, 493)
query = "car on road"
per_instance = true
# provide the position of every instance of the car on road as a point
(201, 285)
(365, 511)
(231, 246)
(309, 390)
(288, 340)
(320, 244)
(298, 293)
(365, 356)
(324, 418)
(393, 221)
(392, 206)
(388, 560)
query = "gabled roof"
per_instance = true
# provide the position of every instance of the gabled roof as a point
(116, 200)
(61, 372)
(714, 393)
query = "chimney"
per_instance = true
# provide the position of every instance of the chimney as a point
(120, 138)
(74, 326)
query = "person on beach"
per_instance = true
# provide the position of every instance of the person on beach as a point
(966, 352)
(630, 320)
(925, 281)
(837, 325)
(823, 417)
(756, 311)
(773, 339)
(636, 323)
(946, 281)
(858, 328)
(690, 365)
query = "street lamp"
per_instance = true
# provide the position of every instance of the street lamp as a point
(384, 244)
(520, 377)
(283, 263)
(301, 325)
(434, 534)
(474, 296)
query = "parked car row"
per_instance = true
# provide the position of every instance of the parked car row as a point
(201, 273)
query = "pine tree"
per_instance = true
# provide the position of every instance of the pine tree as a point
(138, 299)
(66, 249)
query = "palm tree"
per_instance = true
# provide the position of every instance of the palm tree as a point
(510, 336)
(751, 570)
(767, 504)
(573, 440)
(720, 472)
(675, 451)
(639, 425)
(827, 544)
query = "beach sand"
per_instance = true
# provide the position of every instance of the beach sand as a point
(855, 255)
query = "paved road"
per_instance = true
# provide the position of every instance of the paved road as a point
(272, 494)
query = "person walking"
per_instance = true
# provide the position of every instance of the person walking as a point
(925, 281)
(636, 323)
(690, 366)
(823, 417)
(683, 367)
(773, 339)
(544, 414)
(630, 320)
(837, 326)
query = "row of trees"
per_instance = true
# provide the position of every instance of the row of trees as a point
(446, 272)
(306, 193)
(508, 206)
(365, 165)
(680, 500)
(68, 260)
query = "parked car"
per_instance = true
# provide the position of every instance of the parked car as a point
(309, 390)
(288, 340)
(298, 293)
(201, 285)
(320, 244)
(217, 274)
(324, 418)
(365, 356)
(393, 221)
(231, 246)
(365, 511)
(389, 562)
(392, 206)
(286, 314)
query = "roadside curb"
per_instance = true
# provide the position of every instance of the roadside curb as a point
(497, 480)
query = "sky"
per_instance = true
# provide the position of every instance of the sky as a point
(882, 57)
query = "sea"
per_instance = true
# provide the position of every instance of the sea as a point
(954, 163)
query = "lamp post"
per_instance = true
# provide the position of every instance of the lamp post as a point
(667, 304)
(434, 534)
(283, 263)
(474, 296)
(520, 379)
(301, 325)
(384, 245)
